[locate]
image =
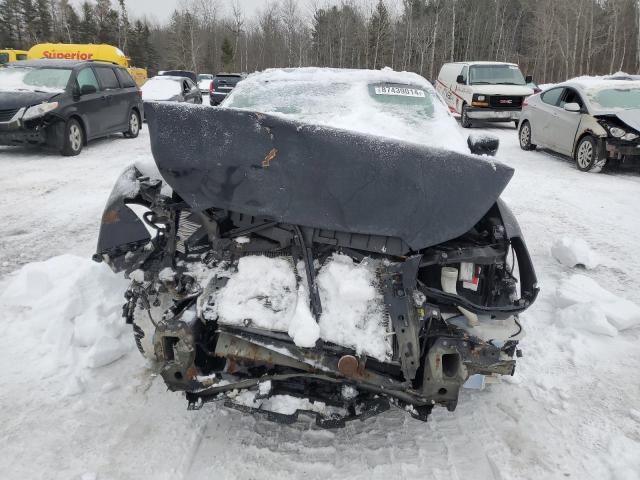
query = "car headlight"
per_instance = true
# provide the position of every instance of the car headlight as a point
(630, 136)
(39, 110)
(617, 132)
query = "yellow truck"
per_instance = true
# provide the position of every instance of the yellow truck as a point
(10, 55)
(88, 51)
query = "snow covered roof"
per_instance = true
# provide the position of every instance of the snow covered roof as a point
(587, 82)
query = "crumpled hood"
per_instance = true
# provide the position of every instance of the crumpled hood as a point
(630, 117)
(321, 177)
(10, 100)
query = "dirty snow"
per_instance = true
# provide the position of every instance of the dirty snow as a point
(570, 411)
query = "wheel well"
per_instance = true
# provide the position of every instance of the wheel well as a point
(135, 109)
(82, 126)
(587, 133)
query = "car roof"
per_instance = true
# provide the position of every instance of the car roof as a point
(50, 63)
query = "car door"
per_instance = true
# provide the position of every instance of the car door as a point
(189, 91)
(542, 116)
(565, 124)
(113, 110)
(89, 105)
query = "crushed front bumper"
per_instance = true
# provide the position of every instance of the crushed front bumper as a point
(16, 132)
(621, 150)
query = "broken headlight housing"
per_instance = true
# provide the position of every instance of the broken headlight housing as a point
(39, 110)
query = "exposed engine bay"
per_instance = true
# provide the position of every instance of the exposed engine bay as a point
(256, 277)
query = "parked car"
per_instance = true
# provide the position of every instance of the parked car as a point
(338, 271)
(594, 120)
(171, 89)
(180, 73)
(204, 82)
(484, 91)
(221, 86)
(66, 103)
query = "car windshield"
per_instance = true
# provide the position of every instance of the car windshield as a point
(406, 111)
(615, 98)
(161, 89)
(205, 77)
(496, 75)
(34, 79)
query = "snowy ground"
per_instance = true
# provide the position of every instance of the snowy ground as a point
(571, 411)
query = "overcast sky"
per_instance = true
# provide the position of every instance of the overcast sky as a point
(161, 10)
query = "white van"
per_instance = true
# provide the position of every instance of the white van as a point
(483, 91)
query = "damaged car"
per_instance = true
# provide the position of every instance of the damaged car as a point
(595, 120)
(285, 266)
(64, 104)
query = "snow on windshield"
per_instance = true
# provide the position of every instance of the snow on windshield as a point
(161, 89)
(384, 103)
(605, 94)
(52, 80)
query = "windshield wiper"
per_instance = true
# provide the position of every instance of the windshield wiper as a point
(513, 83)
(482, 83)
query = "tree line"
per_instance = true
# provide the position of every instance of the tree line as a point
(551, 40)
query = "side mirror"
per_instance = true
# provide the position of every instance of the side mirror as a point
(483, 144)
(460, 79)
(88, 89)
(528, 79)
(572, 107)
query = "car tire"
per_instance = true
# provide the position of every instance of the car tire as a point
(588, 155)
(134, 125)
(524, 135)
(464, 117)
(72, 138)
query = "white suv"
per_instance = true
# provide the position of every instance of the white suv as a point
(483, 91)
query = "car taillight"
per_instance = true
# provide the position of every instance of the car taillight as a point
(140, 93)
(211, 88)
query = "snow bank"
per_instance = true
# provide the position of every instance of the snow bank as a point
(586, 305)
(70, 310)
(573, 252)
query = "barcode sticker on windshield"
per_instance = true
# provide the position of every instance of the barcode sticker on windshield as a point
(401, 91)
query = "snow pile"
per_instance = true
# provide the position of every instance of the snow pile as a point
(263, 293)
(161, 89)
(284, 404)
(586, 305)
(573, 252)
(70, 310)
(353, 312)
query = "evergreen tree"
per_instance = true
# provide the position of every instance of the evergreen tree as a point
(43, 21)
(227, 53)
(88, 24)
(379, 36)
(29, 18)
